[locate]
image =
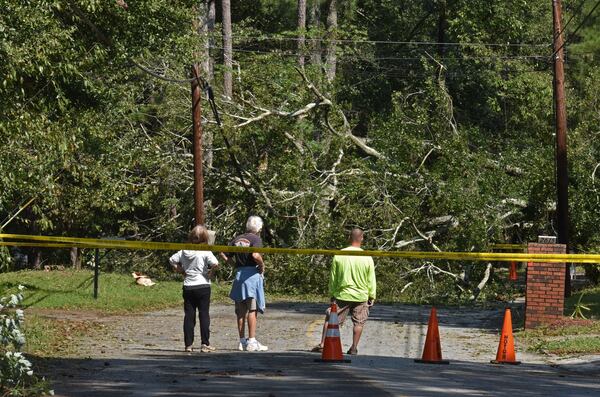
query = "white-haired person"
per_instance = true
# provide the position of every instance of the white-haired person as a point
(198, 268)
(247, 290)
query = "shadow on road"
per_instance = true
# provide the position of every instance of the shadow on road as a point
(448, 316)
(296, 374)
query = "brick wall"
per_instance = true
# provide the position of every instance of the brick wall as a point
(544, 299)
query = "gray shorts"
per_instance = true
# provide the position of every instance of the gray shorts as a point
(245, 306)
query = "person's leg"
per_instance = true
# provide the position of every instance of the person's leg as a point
(241, 313)
(203, 308)
(252, 320)
(189, 319)
(253, 344)
(325, 324)
(360, 314)
(356, 333)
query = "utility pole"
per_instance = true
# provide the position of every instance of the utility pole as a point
(562, 176)
(197, 141)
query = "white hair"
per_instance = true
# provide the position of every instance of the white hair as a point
(254, 224)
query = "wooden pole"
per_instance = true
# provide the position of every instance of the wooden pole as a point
(562, 176)
(197, 143)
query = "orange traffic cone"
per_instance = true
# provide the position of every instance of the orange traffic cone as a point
(506, 348)
(432, 352)
(512, 275)
(332, 348)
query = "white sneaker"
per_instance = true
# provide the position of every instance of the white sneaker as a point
(256, 347)
(242, 345)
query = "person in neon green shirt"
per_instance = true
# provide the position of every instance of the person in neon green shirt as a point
(353, 287)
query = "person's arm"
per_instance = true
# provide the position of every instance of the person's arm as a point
(213, 264)
(260, 263)
(175, 263)
(372, 284)
(333, 280)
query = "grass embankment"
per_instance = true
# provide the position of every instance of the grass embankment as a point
(570, 336)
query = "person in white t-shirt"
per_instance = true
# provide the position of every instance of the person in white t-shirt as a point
(198, 268)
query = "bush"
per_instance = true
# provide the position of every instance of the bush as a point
(16, 373)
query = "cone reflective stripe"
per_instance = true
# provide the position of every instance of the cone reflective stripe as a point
(332, 333)
(506, 347)
(512, 275)
(432, 352)
(332, 348)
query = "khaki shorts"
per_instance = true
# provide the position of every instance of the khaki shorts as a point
(245, 306)
(358, 310)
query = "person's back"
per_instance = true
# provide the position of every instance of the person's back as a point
(242, 259)
(196, 265)
(352, 277)
(352, 287)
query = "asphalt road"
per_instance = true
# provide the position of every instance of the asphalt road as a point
(142, 355)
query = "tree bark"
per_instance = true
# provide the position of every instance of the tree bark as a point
(301, 31)
(315, 22)
(75, 258)
(207, 28)
(331, 58)
(227, 49)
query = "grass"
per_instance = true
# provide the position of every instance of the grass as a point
(569, 336)
(591, 299)
(47, 336)
(73, 290)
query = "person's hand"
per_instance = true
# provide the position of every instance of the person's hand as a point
(212, 271)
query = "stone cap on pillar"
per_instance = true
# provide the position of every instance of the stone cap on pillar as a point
(547, 239)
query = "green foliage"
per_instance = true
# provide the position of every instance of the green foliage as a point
(16, 373)
(464, 132)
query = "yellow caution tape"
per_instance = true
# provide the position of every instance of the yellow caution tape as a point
(65, 242)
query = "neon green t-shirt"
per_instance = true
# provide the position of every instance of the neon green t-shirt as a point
(352, 278)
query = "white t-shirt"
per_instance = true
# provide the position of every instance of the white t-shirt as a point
(195, 264)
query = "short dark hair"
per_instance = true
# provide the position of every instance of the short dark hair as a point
(356, 235)
(198, 235)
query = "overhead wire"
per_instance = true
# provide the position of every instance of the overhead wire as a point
(571, 35)
(579, 8)
(393, 42)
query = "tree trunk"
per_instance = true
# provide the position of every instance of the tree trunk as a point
(301, 31)
(331, 58)
(315, 22)
(36, 262)
(227, 49)
(207, 28)
(75, 258)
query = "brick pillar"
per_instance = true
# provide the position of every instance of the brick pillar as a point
(544, 299)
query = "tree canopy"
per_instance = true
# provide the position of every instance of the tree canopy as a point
(434, 130)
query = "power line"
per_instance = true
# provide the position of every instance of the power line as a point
(415, 43)
(576, 30)
(572, 17)
(295, 54)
